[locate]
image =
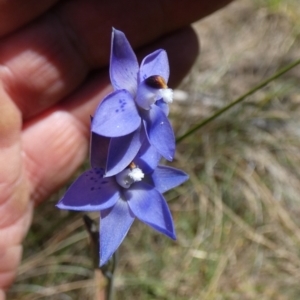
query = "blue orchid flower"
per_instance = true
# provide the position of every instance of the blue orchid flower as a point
(137, 109)
(135, 192)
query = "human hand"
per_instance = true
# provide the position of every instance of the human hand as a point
(52, 76)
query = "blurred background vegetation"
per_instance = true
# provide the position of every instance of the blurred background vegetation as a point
(238, 217)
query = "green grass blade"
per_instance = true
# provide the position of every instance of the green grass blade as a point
(238, 100)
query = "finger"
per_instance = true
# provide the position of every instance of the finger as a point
(9, 261)
(65, 128)
(51, 57)
(15, 208)
(65, 131)
(40, 66)
(14, 14)
(13, 189)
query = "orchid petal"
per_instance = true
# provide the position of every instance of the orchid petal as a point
(114, 225)
(166, 178)
(163, 106)
(155, 63)
(160, 132)
(98, 150)
(124, 66)
(122, 151)
(148, 205)
(90, 192)
(116, 115)
(147, 158)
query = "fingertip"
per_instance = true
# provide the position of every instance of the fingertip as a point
(2, 295)
(183, 48)
(9, 261)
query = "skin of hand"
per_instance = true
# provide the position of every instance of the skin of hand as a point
(53, 73)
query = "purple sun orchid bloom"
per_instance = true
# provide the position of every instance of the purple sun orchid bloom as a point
(135, 192)
(137, 109)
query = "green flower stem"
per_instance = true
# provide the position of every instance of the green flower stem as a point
(238, 100)
(103, 276)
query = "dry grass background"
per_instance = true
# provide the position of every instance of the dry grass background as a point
(238, 218)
